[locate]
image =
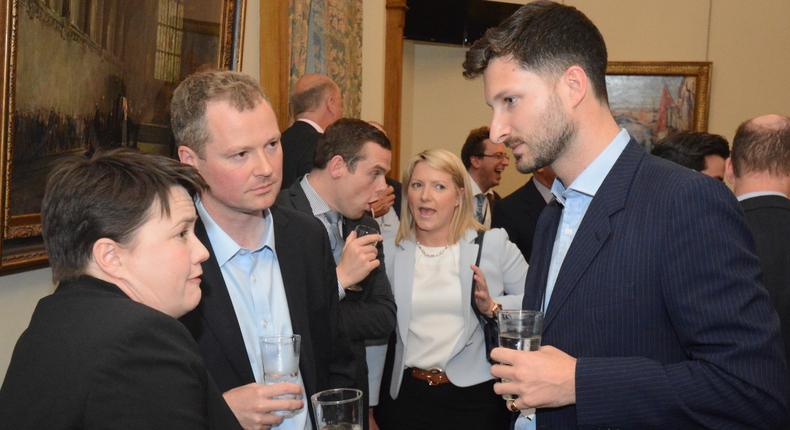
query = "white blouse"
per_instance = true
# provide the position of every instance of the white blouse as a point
(437, 317)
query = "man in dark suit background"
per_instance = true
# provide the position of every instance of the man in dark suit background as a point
(316, 103)
(655, 317)
(759, 170)
(484, 161)
(260, 279)
(518, 213)
(352, 160)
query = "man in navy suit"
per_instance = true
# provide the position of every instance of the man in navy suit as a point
(655, 316)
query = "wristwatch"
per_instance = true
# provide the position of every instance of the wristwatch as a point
(495, 309)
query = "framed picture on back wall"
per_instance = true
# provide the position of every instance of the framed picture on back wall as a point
(654, 99)
(85, 75)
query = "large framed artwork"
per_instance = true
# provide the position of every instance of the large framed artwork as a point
(654, 99)
(84, 75)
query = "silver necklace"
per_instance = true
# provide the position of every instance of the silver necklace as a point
(429, 254)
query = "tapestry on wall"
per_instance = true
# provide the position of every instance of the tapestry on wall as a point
(326, 37)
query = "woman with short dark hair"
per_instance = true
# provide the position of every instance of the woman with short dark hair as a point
(105, 350)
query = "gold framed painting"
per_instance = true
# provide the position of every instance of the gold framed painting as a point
(654, 99)
(84, 75)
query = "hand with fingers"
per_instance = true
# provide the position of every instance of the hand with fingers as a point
(545, 378)
(358, 259)
(255, 404)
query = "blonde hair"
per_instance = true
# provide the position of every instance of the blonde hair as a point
(463, 217)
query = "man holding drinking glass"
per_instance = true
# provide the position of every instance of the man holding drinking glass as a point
(655, 316)
(260, 279)
(351, 161)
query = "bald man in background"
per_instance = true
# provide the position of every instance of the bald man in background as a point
(759, 170)
(316, 103)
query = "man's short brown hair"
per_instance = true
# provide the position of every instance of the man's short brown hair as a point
(346, 137)
(107, 196)
(191, 97)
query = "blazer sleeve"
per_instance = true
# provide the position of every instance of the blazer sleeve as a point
(733, 374)
(152, 377)
(512, 266)
(370, 314)
(342, 365)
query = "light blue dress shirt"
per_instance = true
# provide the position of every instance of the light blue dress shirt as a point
(256, 289)
(576, 200)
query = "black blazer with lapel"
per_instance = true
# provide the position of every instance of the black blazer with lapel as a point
(299, 142)
(518, 214)
(769, 220)
(365, 315)
(310, 282)
(659, 299)
(92, 358)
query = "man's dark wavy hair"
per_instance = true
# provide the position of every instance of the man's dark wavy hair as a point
(547, 38)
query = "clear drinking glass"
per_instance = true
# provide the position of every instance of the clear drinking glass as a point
(280, 358)
(520, 329)
(362, 230)
(338, 409)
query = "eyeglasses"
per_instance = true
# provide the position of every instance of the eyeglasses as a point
(499, 156)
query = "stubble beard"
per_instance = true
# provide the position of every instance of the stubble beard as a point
(545, 149)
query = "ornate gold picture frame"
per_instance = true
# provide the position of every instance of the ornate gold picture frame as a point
(84, 75)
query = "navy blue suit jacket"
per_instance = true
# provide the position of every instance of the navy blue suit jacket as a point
(660, 301)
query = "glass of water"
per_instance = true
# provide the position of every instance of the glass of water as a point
(338, 409)
(519, 329)
(280, 358)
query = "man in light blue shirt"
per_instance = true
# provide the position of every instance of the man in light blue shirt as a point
(260, 279)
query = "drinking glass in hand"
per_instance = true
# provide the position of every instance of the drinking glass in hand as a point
(338, 409)
(362, 230)
(519, 329)
(280, 358)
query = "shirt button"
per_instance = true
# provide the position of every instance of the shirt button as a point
(252, 278)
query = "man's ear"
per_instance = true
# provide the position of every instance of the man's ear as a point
(576, 84)
(336, 166)
(106, 256)
(729, 172)
(187, 156)
(475, 161)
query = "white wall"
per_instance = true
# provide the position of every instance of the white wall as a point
(19, 294)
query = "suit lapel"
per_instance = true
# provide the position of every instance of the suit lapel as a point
(299, 199)
(404, 270)
(467, 255)
(288, 253)
(216, 308)
(595, 228)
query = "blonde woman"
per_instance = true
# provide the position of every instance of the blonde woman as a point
(440, 377)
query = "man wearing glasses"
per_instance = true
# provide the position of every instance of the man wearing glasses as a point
(485, 161)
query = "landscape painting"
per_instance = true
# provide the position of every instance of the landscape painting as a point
(653, 100)
(87, 75)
